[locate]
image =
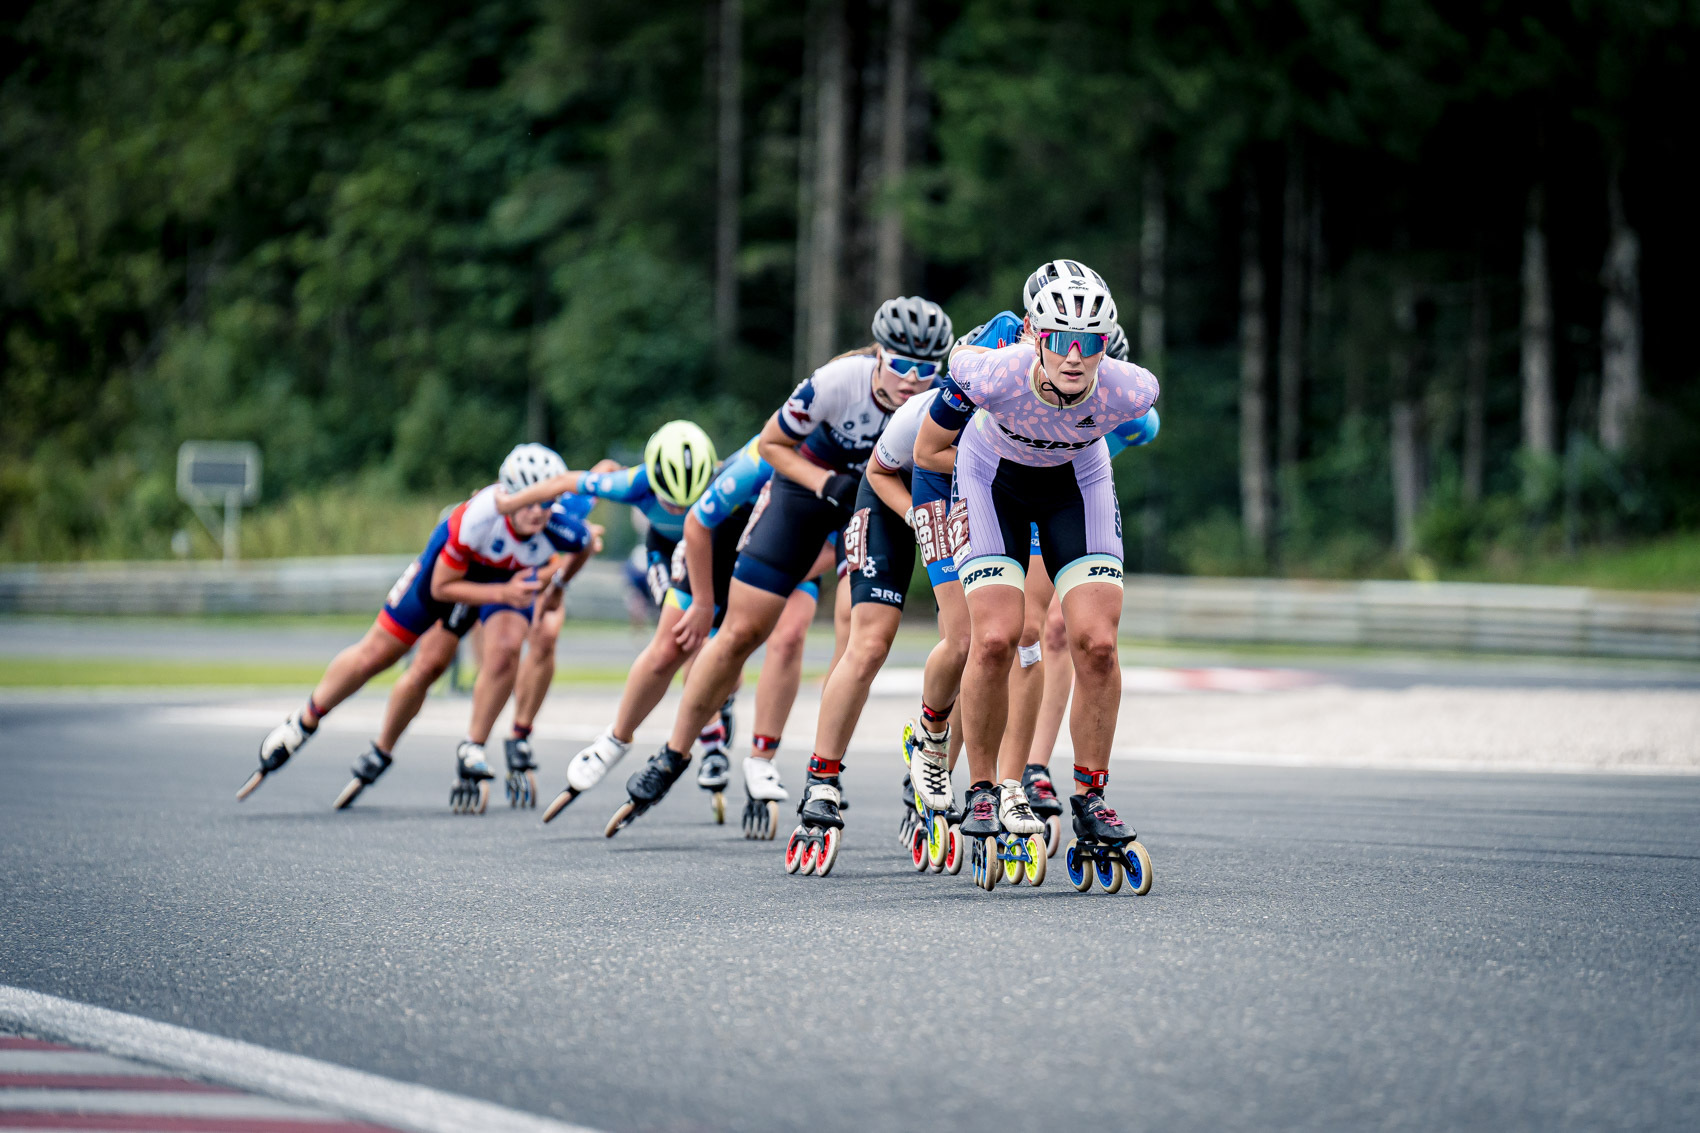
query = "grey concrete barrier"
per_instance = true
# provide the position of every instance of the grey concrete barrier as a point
(353, 584)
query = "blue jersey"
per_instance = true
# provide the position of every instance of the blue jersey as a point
(738, 481)
(566, 530)
(631, 486)
(1139, 431)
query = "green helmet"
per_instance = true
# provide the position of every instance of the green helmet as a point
(680, 461)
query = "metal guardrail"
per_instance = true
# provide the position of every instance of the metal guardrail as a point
(1467, 617)
(353, 584)
(1411, 615)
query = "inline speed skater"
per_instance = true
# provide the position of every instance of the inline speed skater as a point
(1040, 683)
(879, 554)
(434, 603)
(1034, 454)
(817, 443)
(702, 564)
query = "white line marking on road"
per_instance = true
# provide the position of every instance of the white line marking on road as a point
(291, 1077)
(1348, 763)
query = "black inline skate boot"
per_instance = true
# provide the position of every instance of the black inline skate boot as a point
(813, 847)
(1104, 846)
(1042, 797)
(980, 830)
(370, 764)
(522, 772)
(280, 743)
(714, 774)
(911, 820)
(648, 787)
(471, 791)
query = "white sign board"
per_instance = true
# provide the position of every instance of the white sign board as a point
(218, 472)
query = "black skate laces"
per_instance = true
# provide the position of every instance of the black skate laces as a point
(937, 779)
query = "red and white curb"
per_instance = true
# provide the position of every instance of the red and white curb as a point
(69, 1066)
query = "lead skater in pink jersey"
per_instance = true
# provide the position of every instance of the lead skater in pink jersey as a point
(1033, 418)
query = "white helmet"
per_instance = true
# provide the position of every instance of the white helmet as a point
(527, 464)
(1068, 295)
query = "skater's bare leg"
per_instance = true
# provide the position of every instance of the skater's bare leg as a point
(943, 673)
(997, 614)
(504, 636)
(782, 667)
(1026, 677)
(349, 671)
(750, 616)
(1059, 681)
(432, 656)
(873, 625)
(840, 623)
(537, 667)
(651, 673)
(1093, 613)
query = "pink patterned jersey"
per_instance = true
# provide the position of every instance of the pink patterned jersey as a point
(1016, 424)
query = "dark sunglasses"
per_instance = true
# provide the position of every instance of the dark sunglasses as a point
(1061, 341)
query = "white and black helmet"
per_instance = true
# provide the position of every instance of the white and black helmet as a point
(1116, 347)
(527, 464)
(913, 327)
(1068, 295)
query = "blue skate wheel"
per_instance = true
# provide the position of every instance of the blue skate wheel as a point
(1138, 868)
(1079, 868)
(1110, 875)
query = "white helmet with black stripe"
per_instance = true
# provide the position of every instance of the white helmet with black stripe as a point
(527, 464)
(1068, 295)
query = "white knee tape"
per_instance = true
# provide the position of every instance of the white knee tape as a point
(991, 570)
(1089, 568)
(1029, 655)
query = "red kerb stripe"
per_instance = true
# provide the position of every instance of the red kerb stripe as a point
(151, 1082)
(165, 1123)
(13, 1042)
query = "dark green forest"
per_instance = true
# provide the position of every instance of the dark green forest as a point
(1413, 272)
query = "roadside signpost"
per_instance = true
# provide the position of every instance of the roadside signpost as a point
(214, 472)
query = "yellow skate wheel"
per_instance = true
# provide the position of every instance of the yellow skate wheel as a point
(1035, 869)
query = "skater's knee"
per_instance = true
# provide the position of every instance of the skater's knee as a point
(866, 656)
(786, 646)
(1095, 650)
(996, 646)
(1056, 635)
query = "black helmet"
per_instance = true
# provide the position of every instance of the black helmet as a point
(913, 327)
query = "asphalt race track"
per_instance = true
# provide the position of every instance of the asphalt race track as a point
(1323, 949)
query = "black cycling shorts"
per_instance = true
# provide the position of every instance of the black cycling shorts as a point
(879, 551)
(785, 536)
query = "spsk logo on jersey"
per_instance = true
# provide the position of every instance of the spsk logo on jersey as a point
(1034, 442)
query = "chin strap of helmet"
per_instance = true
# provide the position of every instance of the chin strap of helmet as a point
(1067, 399)
(883, 399)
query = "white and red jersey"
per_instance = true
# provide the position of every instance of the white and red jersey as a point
(479, 535)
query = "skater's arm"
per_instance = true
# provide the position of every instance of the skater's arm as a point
(448, 584)
(541, 492)
(935, 448)
(696, 622)
(888, 486)
(779, 449)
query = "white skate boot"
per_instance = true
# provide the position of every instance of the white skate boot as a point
(587, 769)
(280, 743)
(766, 792)
(929, 769)
(1015, 814)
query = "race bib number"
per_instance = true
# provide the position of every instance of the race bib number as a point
(956, 528)
(856, 540)
(932, 535)
(755, 514)
(660, 577)
(403, 584)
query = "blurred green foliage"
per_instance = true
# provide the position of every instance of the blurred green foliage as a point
(387, 241)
